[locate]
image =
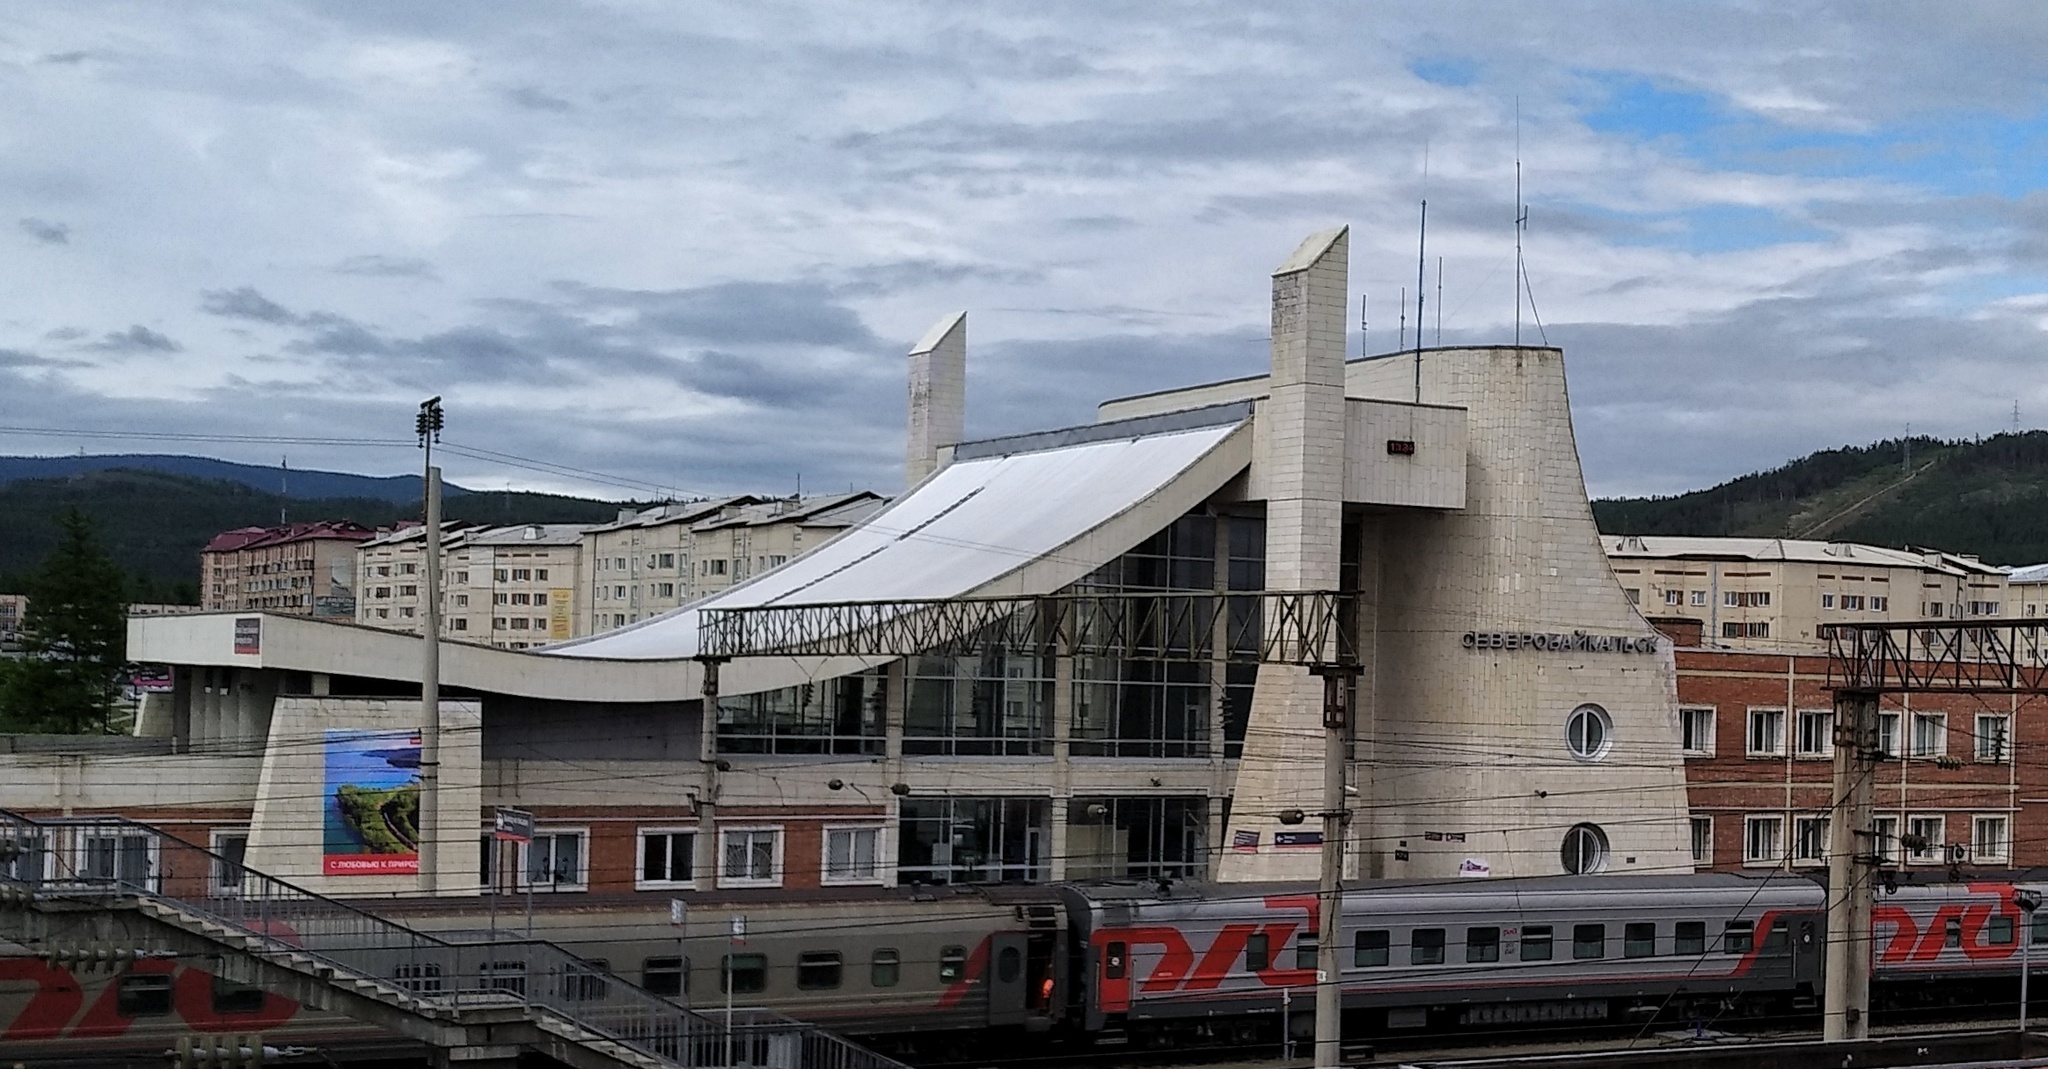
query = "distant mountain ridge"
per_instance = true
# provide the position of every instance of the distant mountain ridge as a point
(1988, 497)
(296, 484)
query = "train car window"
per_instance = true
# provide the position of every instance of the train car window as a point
(1114, 960)
(1638, 940)
(952, 964)
(587, 983)
(1482, 944)
(818, 970)
(1009, 965)
(1589, 941)
(1258, 952)
(1369, 949)
(2040, 935)
(886, 968)
(1426, 946)
(746, 973)
(1781, 935)
(1998, 931)
(1737, 937)
(144, 995)
(1689, 937)
(1536, 942)
(1952, 932)
(420, 978)
(231, 997)
(665, 976)
(1306, 948)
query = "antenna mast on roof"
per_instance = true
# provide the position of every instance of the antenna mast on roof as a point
(284, 485)
(1363, 352)
(1421, 262)
(1402, 344)
(1521, 220)
(1439, 302)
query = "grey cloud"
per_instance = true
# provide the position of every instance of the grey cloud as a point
(136, 339)
(68, 59)
(896, 276)
(47, 232)
(66, 334)
(386, 267)
(534, 100)
(245, 303)
(729, 313)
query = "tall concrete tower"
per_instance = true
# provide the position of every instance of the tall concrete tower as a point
(938, 396)
(1303, 423)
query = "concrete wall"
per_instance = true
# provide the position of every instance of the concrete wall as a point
(1472, 741)
(285, 833)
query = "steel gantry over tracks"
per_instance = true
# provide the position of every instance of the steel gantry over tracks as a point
(1866, 662)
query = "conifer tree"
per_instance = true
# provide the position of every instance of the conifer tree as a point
(73, 640)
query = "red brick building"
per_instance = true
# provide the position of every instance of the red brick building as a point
(1758, 736)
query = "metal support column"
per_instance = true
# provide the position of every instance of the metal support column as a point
(428, 425)
(1852, 863)
(705, 865)
(1330, 890)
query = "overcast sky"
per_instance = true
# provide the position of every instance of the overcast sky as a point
(687, 245)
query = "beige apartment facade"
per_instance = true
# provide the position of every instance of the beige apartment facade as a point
(650, 562)
(1774, 594)
(512, 587)
(300, 569)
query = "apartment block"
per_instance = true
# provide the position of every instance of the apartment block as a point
(300, 569)
(511, 587)
(649, 562)
(1773, 594)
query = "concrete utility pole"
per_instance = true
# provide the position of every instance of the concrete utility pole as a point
(1852, 862)
(428, 426)
(1330, 890)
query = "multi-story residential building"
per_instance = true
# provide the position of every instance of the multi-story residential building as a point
(300, 569)
(2028, 587)
(1773, 594)
(12, 608)
(649, 562)
(512, 587)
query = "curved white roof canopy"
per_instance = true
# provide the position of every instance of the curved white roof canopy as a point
(1017, 524)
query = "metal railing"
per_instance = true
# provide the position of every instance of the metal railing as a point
(99, 857)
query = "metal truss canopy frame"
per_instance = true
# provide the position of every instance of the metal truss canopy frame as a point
(1308, 627)
(1937, 657)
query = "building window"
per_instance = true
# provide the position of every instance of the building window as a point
(1635, 595)
(1888, 734)
(750, 857)
(1929, 835)
(665, 590)
(1992, 731)
(231, 850)
(1930, 734)
(718, 566)
(462, 601)
(666, 560)
(972, 840)
(1674, 597)
(1766, 733)
(998, 703)
(1585, 850)
(554, 861)
(522, 599)
(1852, 602)
(1809, 840)
(1763, 840)
(460, 623)
(1816, 733)
(1827, 601)
(1983, 608)
(852, 855)
(1884, 838)
(1588, 732)
(833, 716)
(1933, 610)
(667, 857)
(1696, 727)
(1989, 842)
(522, 575)
(1878, 604)
(1699, 599)
(540, 575)
(1703, 841)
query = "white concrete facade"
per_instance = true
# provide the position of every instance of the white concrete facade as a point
(938, 396)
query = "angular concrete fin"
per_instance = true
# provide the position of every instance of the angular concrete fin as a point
(941, 332)
(1312, 248)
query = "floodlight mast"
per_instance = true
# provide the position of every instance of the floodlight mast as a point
(427, 426)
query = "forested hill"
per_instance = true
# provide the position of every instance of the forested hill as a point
(1988, 497)
(154, 522)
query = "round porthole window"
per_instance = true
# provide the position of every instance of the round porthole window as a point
(1585, 849)
(1589, 733)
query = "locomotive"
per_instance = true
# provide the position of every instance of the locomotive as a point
(943, 972)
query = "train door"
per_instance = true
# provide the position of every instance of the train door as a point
(1042, 979)
(1008, 987)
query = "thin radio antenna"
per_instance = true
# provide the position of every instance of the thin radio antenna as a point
(1521, 220)
(1439, 302)
(1421, 269)
(1402, 345)
(1363, 351)
(284, 485)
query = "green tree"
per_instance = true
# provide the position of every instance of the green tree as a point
(73, 639)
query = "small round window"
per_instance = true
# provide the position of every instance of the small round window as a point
(1585, 849)
(1589, 733)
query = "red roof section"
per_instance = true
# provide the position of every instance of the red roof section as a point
(256, 537)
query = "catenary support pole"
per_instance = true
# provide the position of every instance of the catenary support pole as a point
(428, 426)
(1851, 865)
(1330, 889)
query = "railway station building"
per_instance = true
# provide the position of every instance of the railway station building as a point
(1516, 713)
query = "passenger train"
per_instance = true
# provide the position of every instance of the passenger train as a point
(930, 974)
